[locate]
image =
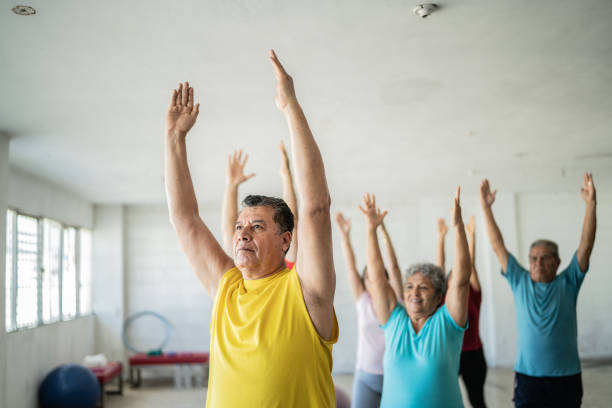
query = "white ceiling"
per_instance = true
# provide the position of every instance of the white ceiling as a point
(518, 91)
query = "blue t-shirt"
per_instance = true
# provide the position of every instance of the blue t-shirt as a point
(421, 369)
(546, 321)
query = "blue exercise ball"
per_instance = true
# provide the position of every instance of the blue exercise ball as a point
(69, 386)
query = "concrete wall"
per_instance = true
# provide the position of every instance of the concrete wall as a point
(4, 181)
(108, 294)
(159, 278)
(34, 196)
(32, 353)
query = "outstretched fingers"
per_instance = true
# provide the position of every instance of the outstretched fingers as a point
(279, 70)
(173, 98)
(185, 94)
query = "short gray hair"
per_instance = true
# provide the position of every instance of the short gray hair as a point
(554, 248)
(431, 271)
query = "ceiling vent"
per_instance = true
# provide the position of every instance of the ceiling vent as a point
(424, 10)
(24, 10)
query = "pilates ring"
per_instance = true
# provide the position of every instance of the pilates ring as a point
(137, 315)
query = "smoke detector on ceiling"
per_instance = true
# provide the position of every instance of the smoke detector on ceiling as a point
(424, 10)
(24, 10)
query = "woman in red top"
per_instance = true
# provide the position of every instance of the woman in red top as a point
(472, 367)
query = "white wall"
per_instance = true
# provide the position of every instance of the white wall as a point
(32, 353)
(108, 275)
(4, 176)
(159, 278)
(34, 196)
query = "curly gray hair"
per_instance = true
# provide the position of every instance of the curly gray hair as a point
(431, 271)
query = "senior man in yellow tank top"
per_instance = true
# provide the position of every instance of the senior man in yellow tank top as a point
(272, 329)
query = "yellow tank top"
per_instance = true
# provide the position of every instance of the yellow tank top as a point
(264, 349)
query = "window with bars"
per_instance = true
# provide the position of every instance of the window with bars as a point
(48, 271)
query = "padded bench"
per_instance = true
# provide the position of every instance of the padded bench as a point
(139, 360)
(105, 375)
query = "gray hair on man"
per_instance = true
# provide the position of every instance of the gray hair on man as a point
(554, 248)
(431, 271)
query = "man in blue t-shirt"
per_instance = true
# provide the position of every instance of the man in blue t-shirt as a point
(547, 365)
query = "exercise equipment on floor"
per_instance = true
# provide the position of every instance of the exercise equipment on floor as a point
(69, 386)
(164, 342)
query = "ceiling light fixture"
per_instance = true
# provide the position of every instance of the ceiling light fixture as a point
(424, 10)
(24, 10)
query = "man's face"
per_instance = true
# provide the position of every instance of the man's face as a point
(259, 249)
(543, 264)
(420, 297)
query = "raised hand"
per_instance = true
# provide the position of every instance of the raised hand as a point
(285, 92)
(442, 228)
(374, 216)
(182, 113)
(235, 168)
(470, 226)
(285, 170)
(587, 192)
(486, 196)
(456, 211)
(344, 224)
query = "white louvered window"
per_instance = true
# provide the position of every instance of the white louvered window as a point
(27, 272)
(69, 275)
(85, 272)
(9, 302)
(52, 256)
(48, 271)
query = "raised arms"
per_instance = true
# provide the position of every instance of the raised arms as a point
(395, 274)
(291, 200)
(497, 241)
(587, 239)
(229, 211)
(344, 225)
(204, 253)
(470, 229)
(459, 280)
(382, 294)
(315, 263)
(442, 230)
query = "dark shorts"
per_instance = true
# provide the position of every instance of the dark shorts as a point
(541, 392)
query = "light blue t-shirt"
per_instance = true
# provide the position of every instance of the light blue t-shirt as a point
(421, 370)
(546, 321)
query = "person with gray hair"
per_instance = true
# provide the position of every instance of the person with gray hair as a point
(267, 319)
(423, 337)
(367, 386)
(547, 369)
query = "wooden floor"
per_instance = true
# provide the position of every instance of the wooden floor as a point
(596, 377)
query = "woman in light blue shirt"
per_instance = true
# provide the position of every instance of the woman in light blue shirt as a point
(423, 338)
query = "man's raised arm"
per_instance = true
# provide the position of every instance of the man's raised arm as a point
(497, 241)
(587, 240)
(291, 199)
(203, 252)
(315, 264)
(229, 211)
